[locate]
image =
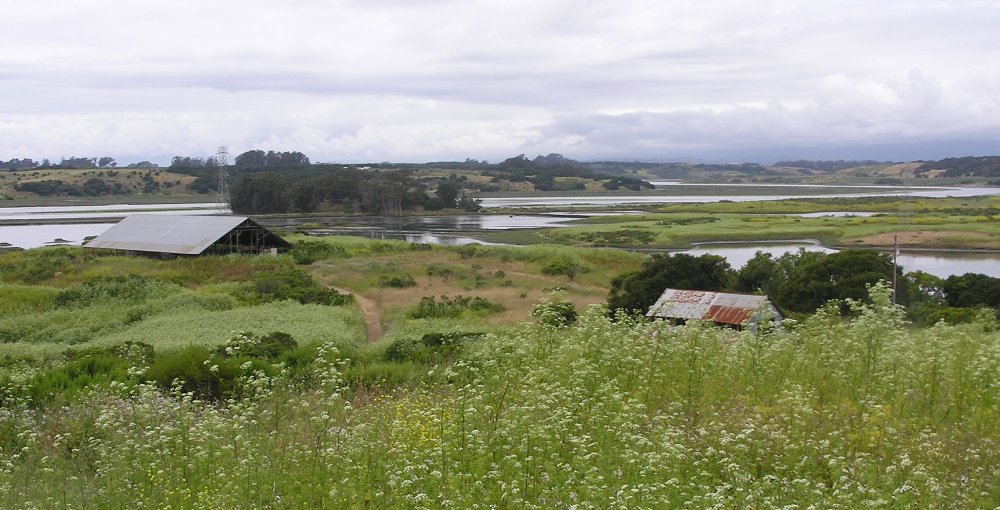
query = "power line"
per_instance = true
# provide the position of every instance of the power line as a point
(222, 161)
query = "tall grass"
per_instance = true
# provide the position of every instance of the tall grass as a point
(306, 323)
(831, 414)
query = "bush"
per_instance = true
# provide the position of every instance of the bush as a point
(443, 272)
(295, 284)
(401, 350)
(70, 379)
(622, 237)
(556, 311)
(131, 288)
(271, 346)
(196, 370)
(34, 266)
(563, 267)
(452, 307)
(431, 348)
(307, 252)
(398, 281)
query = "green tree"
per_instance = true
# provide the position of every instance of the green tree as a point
(259, 193)
(638, 290)
(757, 274)
(972, 290)
(816, 279)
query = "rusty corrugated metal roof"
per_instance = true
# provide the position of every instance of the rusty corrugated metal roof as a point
(180, 234)
(709, 306)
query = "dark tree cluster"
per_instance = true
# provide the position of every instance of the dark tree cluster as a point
(70, 163)
(988, 166)
(803, 281)
(542, 172)
(351, 190)
(638, 290)
(270, 160)
(91, 187)
(20, 164)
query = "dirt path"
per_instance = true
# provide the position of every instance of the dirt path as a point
(369, 308)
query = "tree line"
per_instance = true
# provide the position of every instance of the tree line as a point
(350, 190)
(803, 281)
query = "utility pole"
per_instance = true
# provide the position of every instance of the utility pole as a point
(895, 255)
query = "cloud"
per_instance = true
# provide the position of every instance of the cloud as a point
(352, 80)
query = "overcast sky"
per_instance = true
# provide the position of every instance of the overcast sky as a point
(431, 80)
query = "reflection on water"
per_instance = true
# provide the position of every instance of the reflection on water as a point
(840, 214)
(460, 230)
(445, 240)
(941, 264)
(33, 236)
(741, 193)
(104, 211)
(462, 223)
(738, 254)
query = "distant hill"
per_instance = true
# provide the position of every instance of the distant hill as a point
(986, 166)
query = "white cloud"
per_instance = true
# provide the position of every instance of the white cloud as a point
(352, 80)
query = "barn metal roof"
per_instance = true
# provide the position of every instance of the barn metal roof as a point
(708, 306)
(180, 234)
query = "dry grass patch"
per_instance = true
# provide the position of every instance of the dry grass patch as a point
(517, 285)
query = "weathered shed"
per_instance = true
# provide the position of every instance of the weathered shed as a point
(722, 308)
(188, 235)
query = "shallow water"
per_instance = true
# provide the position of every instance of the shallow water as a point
(941, 264)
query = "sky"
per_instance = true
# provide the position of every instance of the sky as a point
(445, 80)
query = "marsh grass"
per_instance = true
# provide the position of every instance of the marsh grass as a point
(679, 230)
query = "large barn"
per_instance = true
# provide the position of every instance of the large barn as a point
(188, 235)
(737, 310)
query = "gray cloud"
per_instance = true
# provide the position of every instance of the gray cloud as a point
(393, 80)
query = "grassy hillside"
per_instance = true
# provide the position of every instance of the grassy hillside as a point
(51, 185)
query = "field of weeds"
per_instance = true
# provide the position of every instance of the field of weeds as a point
(238, 382)
(601, 414)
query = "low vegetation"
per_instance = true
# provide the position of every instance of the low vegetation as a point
(502, 380)
(859, 413)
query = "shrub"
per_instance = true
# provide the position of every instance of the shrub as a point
(468, 251)
(16, 299)
(555, 311)
(563, 267)
(398, 281)
(622, 237)
(34, 266)
(443, 272)
(431, 348)
(130, 288)
(452, 307)
(365, 375)
(70, 379)
(402, 349)
(307, 252)
(688, 221)
(196, 370)
(295, 284)
(269, 347)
